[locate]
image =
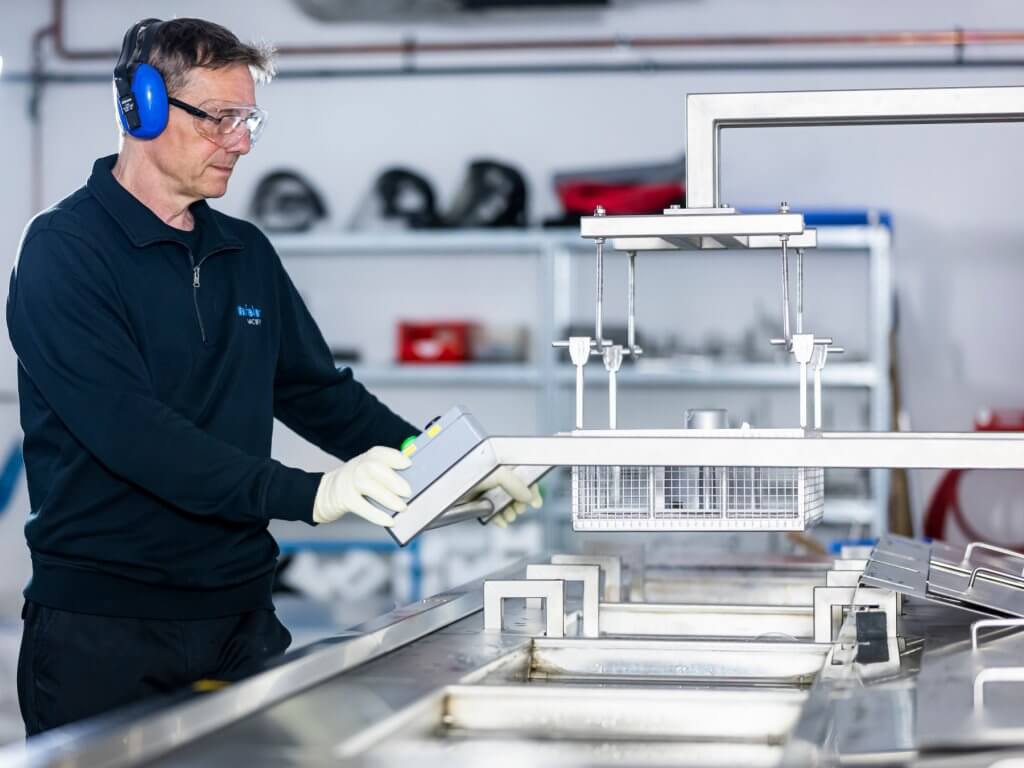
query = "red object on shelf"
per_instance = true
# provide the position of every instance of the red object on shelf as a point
(582, 197)
(945, 501)
(434, 342)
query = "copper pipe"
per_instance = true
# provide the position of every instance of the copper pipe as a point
(889, 39)
(411, 46)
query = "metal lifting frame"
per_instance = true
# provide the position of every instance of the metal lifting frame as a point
(707, 115)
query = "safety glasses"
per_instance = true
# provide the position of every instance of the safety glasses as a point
(223, 122)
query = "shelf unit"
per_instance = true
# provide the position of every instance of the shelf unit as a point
(549, 374)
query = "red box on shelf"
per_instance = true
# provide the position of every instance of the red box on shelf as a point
(434, 342)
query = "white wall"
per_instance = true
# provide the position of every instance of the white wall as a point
(952, 190)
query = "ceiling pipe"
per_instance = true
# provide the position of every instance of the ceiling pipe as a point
(957, 39)
(57, 77)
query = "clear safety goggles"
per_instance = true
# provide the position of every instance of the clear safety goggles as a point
(224, 122)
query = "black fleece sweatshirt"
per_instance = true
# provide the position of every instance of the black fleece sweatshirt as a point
(152, 363)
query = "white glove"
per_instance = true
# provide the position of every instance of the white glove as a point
(522, 495)
(370, 475)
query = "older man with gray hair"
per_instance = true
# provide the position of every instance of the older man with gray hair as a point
(157, 339)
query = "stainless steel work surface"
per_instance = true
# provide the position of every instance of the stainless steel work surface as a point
(137, 734)
(973, 697)
(664, 683)
(347, 707)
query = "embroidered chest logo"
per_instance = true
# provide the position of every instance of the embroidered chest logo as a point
(252, 315)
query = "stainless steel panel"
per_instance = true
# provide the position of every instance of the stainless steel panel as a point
(750, 621)
(1000, 599)
(950, 715)
(959, 559)
(853, 724)
(677, 660)
(710, 586)
(624, 713)
(510, 751)
(905, 579)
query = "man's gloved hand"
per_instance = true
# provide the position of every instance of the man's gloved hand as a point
(370, 475)
(522, 495)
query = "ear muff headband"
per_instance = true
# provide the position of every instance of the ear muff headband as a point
(122, 80)
(140, 90)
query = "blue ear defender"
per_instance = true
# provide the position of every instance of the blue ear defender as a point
(139, 88)
(150, 95)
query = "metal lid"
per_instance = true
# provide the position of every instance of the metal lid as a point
(707, 418)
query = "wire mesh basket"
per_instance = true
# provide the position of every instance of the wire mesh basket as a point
(657, 498)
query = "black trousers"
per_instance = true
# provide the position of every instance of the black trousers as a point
(75, 665)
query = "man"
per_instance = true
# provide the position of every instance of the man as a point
(148, 399)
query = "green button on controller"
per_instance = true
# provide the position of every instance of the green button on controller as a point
(409, 445)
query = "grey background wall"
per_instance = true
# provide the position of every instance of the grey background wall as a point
(953, 190)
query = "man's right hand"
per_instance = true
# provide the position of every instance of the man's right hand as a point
(370, 475)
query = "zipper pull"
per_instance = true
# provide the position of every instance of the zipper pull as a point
(195, 277)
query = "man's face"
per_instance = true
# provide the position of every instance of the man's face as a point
(199, 166)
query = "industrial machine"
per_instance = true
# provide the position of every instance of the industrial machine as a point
(902, 653)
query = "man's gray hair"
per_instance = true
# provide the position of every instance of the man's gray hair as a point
(182, 45)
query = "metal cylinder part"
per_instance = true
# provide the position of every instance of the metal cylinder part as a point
(707, 418)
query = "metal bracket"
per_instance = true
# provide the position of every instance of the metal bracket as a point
(612, 363)
(991, 624)
(994, 675)
(827, 598)
(989, 548)
(611, 568)
(818, 359)
(850, 565)
(589, 575)
(1016, 582)
(855, 552)
(579, 353)
(842, 578)
(552, 592)
(713, 228)
(809, 351)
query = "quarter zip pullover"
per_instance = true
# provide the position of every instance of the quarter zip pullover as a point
(147, 441)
